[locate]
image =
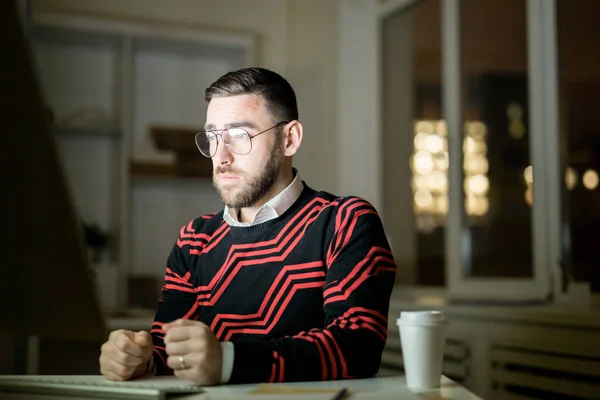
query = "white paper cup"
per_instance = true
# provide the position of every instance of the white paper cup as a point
(423, 337)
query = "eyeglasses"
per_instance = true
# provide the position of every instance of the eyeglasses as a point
(237, 140)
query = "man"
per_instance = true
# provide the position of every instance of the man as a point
(286, 283)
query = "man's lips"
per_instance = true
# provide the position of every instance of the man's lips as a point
(227, 176)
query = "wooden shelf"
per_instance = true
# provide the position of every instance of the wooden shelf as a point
(91, 131)
(173, 180)
(148, 172)
(176, 138)
(181, 140)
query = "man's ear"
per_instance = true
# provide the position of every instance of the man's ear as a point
(293, 137)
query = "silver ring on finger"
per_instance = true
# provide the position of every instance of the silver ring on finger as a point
(182, 362)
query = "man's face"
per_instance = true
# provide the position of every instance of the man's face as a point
(243, 180)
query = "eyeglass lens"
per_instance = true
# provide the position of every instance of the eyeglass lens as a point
(236, 139)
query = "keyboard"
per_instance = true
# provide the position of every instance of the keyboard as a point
(97, 386)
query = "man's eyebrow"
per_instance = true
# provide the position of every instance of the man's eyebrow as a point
(240, 124)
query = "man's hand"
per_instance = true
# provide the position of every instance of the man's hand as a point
(194, 351)
(125, 355)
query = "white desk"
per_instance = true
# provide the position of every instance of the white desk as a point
(384, 388)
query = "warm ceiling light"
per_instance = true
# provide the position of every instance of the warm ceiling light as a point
(528, 174)
(570, 178)
(590, 179)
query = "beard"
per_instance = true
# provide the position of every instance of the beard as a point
(256, 187)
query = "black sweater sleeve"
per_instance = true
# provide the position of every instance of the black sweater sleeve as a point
(359, 281)
(178, 298)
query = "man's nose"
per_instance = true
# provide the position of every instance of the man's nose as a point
(222, 154)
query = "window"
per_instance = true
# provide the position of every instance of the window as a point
(479, 82)
(578, 34)
(493, 73)
(413, 129)
(494, 77)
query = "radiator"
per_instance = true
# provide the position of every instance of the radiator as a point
(526, 372)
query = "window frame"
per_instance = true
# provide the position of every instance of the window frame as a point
(546, 159)
(541, 45)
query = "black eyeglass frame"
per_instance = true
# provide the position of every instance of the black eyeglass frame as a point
(222, 131)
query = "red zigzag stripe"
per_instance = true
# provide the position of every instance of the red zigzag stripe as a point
(278, 364)
(349, 232)
(283, 234)
(320, 339)
(245, 263)
(273, 303)
(281, 309)
(344, 293)
(187, 232)
(304, 223)
(181, 283)
(267, 300)
(158, 351)
(370, 322)
(339, 225)
(200, 240)
(319, 349)
(351, 205)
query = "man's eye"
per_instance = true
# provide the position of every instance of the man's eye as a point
(211, 136)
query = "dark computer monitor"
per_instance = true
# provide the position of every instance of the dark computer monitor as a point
(47, 287)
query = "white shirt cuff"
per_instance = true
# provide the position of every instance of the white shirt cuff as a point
(228, 356)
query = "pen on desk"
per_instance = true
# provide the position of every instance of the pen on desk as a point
(341, 395)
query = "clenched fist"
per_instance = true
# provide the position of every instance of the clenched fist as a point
(125, 355)
(194, 352)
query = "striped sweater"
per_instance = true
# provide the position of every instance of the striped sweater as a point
(304, 296)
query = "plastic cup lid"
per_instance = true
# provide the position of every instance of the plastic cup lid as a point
(421, 317)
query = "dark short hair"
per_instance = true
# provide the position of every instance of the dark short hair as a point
(278, 93)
